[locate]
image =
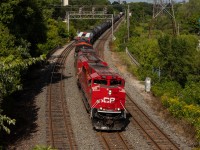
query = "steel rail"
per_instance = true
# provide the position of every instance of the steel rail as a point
(157, 138)
(58, 113)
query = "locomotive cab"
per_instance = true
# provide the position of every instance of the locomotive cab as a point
(108, 100)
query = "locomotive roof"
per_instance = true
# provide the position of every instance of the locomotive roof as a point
(99, 66)
(91, 58)
(103, 70)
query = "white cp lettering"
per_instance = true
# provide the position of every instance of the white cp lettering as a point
(108, 100)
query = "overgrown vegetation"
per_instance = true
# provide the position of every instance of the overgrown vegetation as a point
(171, 61)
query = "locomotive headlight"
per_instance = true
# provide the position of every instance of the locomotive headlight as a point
(118, 109)
(109, 92)
(101, 108)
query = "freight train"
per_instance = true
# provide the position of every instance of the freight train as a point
(96, 32)
(103, 89)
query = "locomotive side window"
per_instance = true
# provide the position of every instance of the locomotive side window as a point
(103, 82)
(115, 82)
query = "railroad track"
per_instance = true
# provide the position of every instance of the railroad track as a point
(114, 140)
(154, 136)
(103, 39)
(111, 140)
(59, 128)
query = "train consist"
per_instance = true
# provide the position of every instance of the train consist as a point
(97, 31)
(103, 89)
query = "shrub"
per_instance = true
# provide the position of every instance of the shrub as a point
(170, 88)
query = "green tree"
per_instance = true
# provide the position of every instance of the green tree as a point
(177, 55)
(7, 42)
(24, 25)
(188, 16)
(141, 11)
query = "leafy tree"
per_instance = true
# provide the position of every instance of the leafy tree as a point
(24, 25)
(7, 41)
(188, 17)
(141, 11)
(191, 94)
(177, 56)
(121, 38)
(6, 120)
(146, 52)
(56, 35)
(24, 21)
(10, 81)
(7, 9)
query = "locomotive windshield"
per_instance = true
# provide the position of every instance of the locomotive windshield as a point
(112, 82)
(103, 82)
(115, 82)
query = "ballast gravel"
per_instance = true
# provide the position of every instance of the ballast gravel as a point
(82, 126)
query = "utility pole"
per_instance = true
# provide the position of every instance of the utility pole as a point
(128, 24)
(165, 6)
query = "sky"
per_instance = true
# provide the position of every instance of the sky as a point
(141, 0)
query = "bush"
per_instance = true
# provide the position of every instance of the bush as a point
(180, 109)
(170, 88)
(39, 147)
(191, 94)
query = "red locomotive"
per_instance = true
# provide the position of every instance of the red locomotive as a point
(83, 47)
(104, 94)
